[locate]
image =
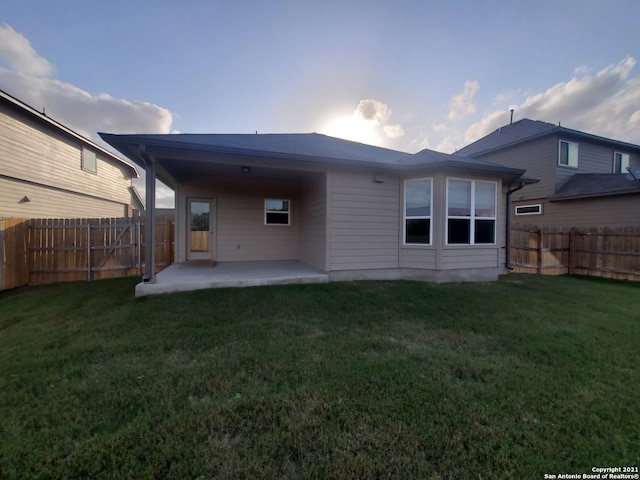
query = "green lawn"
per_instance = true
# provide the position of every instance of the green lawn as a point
(511, 379)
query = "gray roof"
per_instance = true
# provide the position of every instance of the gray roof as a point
(583, 185)
(296, 148)
(282, 145)
(526, 130)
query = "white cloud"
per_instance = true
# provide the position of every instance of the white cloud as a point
(19, 55)
(367, 124)
(28, 78)
(462, 104)
(603, 104)
(373, 110)
(83, 112)
(446, 135)
(393, 131)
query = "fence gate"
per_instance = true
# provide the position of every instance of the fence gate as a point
(61, 250)
(82, 249)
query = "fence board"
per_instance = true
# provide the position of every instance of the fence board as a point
(14, 262)
(612, 252)
(38, 251)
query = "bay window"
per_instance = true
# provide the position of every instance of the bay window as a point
(471, 212)
(417, 211)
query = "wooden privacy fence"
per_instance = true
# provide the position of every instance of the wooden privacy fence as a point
(38, 251)
(612, 252)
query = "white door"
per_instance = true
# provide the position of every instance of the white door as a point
(200, 229)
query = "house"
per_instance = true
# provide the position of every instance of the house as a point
(352, 210)
(49, 171)
(584, 179)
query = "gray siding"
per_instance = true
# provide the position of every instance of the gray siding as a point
(594, 159)
(313, 222)
(470, 257)
(587, 212)
(240, 232)
(47, 203)
(242, 235)
(418, 257)
(363, 221)
(539, 158)
(37, 154)
(591, 159)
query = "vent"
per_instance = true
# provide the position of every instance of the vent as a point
(529, 209)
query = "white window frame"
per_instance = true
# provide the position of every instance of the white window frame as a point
(472, 217)
(84, 156)
(569, 163)
(278, 212)
(623, 164)
(417, 217)
(537, 205)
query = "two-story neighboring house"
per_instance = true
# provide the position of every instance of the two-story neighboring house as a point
(584, 179)
(49, 171)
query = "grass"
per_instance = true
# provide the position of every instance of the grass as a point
(511, 379)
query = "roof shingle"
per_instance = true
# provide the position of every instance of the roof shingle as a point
(583, 185)
(526, 130)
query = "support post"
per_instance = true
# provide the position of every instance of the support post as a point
(149, 223)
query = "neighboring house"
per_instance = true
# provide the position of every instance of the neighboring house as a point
(49, 171)
(352, 210)
(583, 178)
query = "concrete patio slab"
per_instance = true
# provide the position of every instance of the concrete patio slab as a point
(201, 275)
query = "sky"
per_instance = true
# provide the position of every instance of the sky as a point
(400, 74)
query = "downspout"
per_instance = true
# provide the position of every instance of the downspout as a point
(150, 216)
(508, 226)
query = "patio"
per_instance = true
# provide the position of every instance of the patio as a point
(198, 275)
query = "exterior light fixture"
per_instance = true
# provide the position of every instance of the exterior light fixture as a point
(245, 169)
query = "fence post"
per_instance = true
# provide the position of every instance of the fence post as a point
(572, 250)
(540, 250)
(3, 268)
(139, 245)
(88, 251)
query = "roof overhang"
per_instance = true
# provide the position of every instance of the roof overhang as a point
(179, 161)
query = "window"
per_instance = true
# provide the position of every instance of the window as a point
(620, 162)
(277, 212)
(568, 154)
(471, 212)
(89, 162)
(529, 209)
(417, 211)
